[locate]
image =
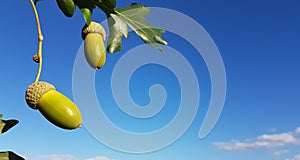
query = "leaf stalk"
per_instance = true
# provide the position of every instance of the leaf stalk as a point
(40, 41)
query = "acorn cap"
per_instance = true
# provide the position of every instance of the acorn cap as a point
(94, 27)
(35, 91)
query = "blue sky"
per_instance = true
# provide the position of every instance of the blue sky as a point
(259, 44)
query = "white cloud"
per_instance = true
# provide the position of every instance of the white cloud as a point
(280, 138)
(263, 141)
(98, 158)
(280, 152)
(61, 157)
(297, 130)
(296, 157)
(50, 157)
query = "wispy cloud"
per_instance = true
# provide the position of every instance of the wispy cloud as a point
(98, 158)
(297, 157)
(263, 141)
(62, 157)
(51, 157)
(280, 152)
(297, 130)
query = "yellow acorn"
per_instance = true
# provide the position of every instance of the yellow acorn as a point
(53, 105)
(94, 49)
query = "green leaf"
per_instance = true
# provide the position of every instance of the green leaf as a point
(134, 16)
(36, 1)
(87, 14)
(118, 29)
(5, 125)
(67, 7)
(107, 6)
(86, 7)
(109, 3)
(8, 155)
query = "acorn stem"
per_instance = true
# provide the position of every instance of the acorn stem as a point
(40, 41)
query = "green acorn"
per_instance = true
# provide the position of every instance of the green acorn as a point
(53, 105)
(94, 49)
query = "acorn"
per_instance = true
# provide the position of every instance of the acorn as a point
(94, 49)
(54, 106)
